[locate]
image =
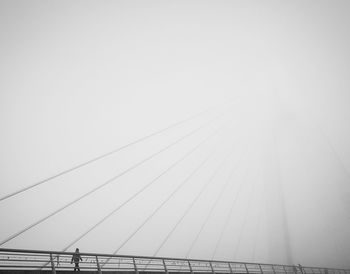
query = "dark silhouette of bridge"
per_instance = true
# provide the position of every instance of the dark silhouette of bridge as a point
(17, 261)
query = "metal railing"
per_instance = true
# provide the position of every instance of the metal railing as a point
(19, 259)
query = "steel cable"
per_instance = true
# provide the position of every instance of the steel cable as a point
(107, 182)
(253, 189)
(162, 204)
(188, 209)
(223, 229)
(106, 154)
(164, 201)
(206, 220)
(141, 190)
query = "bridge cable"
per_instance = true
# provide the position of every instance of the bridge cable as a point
(161, 205)
(108, 153)
(218, 198)
(172, 166)
(344, 189)
(108, 181)
(223, 229)
(166, 200)
(253, 190)
(215, 132)
(204, 187)
(258, 225)
(317, 127)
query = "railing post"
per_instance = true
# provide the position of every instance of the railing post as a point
(273, 269)
(295, 270)
(52, 265)
(261, 271)
(212, 268)
(246, 268)
(229, 265)
(284, 268)
(135, 265)
(98, 265)
(165, 268)
(190, 266)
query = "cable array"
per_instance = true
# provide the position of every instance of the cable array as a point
(164, 202)
(218, 198)
(245, 215)
(167, 197)
(172, 166)
(111, 180)
(196, 198)
(228, 218)
(114, 151)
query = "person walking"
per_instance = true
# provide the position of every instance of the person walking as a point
(76, 258)
(301, 268)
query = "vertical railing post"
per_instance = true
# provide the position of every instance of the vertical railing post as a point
(52, 264)
(98, 265)
(165, 267)
(135, 265)
(295, 270)
(261, 271)
(284, 268)
(230, 267)
(246, 268)
(190, 266)
(273, 269)
(212, 268)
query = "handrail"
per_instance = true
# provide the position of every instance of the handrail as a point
(28, 259)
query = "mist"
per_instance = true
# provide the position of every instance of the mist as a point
(266, 84)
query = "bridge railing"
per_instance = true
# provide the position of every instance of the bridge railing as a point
(53, 261)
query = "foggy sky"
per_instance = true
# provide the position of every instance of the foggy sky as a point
(81, 78)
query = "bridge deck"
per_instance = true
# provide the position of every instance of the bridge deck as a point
(15, 261)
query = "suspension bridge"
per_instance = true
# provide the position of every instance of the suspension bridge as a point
(34, 261)
(216, 191)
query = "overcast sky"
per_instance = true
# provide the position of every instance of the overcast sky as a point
(271, 82)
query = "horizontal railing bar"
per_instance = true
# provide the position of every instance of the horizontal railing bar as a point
(217, 264)
(117, 269)
(124, 256)
(25, 254)
(19, 260)
(21, 266)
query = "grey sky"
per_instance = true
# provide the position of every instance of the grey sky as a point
(80, 78)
